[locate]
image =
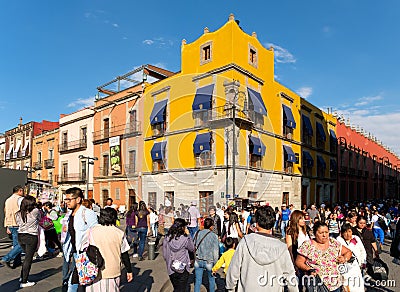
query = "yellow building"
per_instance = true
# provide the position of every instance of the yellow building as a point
(224, 101)
(45, 162)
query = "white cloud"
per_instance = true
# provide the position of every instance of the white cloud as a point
(115, 25)
(148, 42)
(282, 55)
(82, 102)
(304, 92)
(368, 99)
(124, 38)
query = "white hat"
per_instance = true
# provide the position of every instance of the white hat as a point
(193, 203)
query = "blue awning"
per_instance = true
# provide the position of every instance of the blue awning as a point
(256, 146)
(321, 131)
(333, 135)
(333, 165)
(321, 162)
(202, 143)
(307, 125)
(288, 117)
(202, 99)
(308, 159)
(257, 102)
(158, 151)
(290, 156)
(158, 113)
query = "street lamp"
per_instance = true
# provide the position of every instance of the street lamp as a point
(90, 160)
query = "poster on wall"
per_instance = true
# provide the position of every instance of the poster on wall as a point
(115, 154)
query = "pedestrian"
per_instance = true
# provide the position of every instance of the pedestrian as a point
(395, 246)
(130, 229)
(352, 275)
(297, 233)
(153, 222)
(11, 207)
(368, 240)
(321, 256)
(28, 223)
(284, 214)
(226, 257)
(206, 255)
(260, 260)
(379, 233)
(231, 226)
(176, 247)
(313, 213)
(114, 249)
(142, 227)
(96, 208)
(51, 234)
(79, 221)
(193, 219)
(109, 203)
(217, 221)
(333, 225)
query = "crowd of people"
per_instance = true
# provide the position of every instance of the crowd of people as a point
(255, 247)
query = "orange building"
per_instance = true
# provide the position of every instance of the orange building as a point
(117, 136)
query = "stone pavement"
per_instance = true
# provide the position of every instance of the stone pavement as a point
(148, 275)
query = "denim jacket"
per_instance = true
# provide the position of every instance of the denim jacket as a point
(83, 220)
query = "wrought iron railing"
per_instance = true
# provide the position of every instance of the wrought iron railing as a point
(129, 129)
(49, 163)
(73, 145)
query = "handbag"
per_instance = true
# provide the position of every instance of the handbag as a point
(315, 284)
(46, 223)
(380, 270)
(89, 262)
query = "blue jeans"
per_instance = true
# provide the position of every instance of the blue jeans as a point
(284, 224)
(193, 230)
(199, 267)
(15, 253)
(378, 233)
(142, 233)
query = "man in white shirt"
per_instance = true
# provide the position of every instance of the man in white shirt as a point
(194, 219)
(377, 229)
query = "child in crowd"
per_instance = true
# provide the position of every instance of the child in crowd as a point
(226, 257)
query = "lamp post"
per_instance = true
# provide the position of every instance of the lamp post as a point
(90, 160)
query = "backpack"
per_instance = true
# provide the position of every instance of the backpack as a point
(382, 223)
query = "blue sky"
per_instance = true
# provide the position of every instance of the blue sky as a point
(339, 54)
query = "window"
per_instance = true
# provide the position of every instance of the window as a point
(288, 167)
(131, 167)
(206, 200)
(206, 53)
(64, 170)
(105, 196)
(50, 177)
(51, 154)
(252, 195)
(169, 199)
(204, 159)
(132, 196)
(132, 121)
(39, 157)
(158, 165)
(83, 169)
(106, 127)
(256, 118)
(83, 136)
(287, 132)
(307, 130)
(285, 198)
(117, 194)
(65, 139)
(152, 199)
(158, 129)
(255, 161)
(201, 117)
(106, 165)
(253, 56)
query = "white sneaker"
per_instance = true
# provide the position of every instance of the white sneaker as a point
(27, 284)
(135, 255)
(59, 255)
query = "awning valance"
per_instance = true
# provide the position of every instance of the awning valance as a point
(321, 162)
(321, 131)
(16, 149)
(158, 151)
(256, 146)
(202, 143)
(203, 97)
(288, 117)
(257, 102)
(309, 161)
(8, 154)
(25, 148)
(158, 113)
(289, 154)
(307, 125)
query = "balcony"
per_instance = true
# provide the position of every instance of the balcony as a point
(37, 165)
(128, 130)
(71, 178)
(221, 116)
(49, 163)
(130, 169)
(72, 146)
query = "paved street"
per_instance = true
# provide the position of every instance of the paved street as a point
(148, 275)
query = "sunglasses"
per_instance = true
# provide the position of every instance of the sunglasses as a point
(69, 199)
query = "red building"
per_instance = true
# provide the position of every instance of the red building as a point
(367, 169)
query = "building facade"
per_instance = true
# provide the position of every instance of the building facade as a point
(19, 143)
(75, 143)
(367, 169)
(117, 136)
(2, 150)
(223, 128)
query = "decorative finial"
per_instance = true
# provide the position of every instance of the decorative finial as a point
(206, 30)
(20, 121)
(183, 42)
(231, 17)
(254, 34)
